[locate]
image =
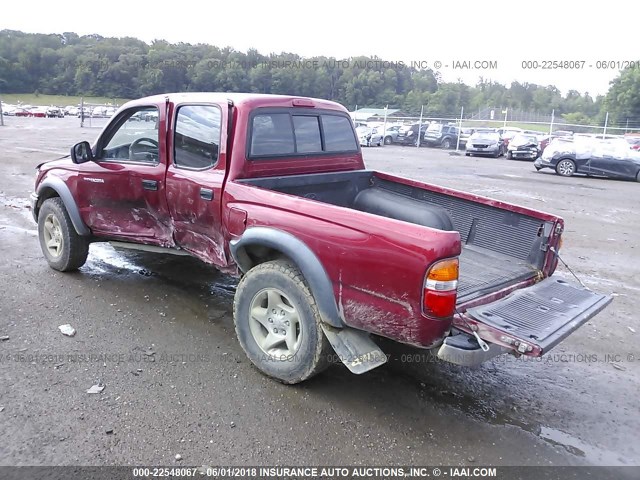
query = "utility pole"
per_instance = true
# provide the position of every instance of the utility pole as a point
(420, 126)
(2, 115)
(606, 121)
(459, 128)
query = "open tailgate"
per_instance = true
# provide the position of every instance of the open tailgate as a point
(535, 319)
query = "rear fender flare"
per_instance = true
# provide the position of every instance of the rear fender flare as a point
(57, 184)
(304, 258)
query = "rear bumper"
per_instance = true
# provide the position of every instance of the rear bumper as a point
(33, 198)
(463, 350)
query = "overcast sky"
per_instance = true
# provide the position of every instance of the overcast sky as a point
(444, 31)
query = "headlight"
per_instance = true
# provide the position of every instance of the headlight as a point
(410, 133)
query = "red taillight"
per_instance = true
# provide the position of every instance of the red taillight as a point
(441, 289)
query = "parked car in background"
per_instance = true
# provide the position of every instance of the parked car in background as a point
(391, 134)
(591, 156)
(562, 133)
(21, 112)
(465, 133)
(368, 137)
(439, 135)
(55, 112)
(71, 110)
(9, 110)
(40, 112)
(633, 141)
(507, 134)
(523, 147)
(408, 134)
(485, 143)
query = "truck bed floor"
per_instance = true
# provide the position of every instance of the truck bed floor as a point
(483, 271)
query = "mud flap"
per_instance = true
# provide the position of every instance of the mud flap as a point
(355, 348)
(541, 315)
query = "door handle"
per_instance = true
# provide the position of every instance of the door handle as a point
(150, 185)
(206, 194)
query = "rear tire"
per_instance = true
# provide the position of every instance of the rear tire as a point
(61, 245)
(566, 167)
(278, 323)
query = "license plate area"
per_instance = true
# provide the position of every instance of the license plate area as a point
(543, 314)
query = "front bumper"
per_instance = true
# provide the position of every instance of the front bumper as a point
(524, 154)
(492, 150)
(33, 198)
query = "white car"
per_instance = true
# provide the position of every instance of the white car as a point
(369, 137)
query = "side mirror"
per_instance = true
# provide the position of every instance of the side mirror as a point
(81, 152)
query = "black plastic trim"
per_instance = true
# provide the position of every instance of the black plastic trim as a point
(64, 193)
(308, 263)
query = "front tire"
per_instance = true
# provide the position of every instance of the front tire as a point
(278, 323)
(388, 140)
(566, 168)
(61, 245)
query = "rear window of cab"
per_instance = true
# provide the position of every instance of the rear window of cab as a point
(299, 133)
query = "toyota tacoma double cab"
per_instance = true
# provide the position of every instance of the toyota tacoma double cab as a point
(331, 255)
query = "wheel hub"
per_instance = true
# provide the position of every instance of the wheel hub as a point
(275, 324)
(53, 235)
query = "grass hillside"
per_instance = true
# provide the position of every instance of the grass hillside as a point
(58, 100)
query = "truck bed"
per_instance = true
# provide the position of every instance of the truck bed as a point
(500, 246)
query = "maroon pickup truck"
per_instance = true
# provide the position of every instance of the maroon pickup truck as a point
(331, 255)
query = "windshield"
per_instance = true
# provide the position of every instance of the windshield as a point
(522, 139)
(485, 136)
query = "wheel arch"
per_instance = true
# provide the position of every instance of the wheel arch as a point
(261, 244)
(55, 187)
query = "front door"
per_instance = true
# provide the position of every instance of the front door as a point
(121, 194)
(195, 178)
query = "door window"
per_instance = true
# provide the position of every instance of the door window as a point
(197, 137)
(134, 138)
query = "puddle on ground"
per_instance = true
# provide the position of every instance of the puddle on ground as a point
(182, 271)
(579, 448)
(444, 390)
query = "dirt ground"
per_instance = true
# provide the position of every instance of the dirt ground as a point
(157, 332)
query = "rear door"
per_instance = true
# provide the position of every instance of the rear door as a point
(613, 167)
(534, 319)
(195, 178)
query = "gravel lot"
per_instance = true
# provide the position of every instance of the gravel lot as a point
(158, 332)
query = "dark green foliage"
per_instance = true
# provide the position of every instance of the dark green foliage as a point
(69, 64)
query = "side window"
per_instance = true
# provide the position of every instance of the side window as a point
(197, 136)
(135, 138)
(338, 134)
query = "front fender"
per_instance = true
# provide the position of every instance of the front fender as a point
(307, 261)
(62, 190)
